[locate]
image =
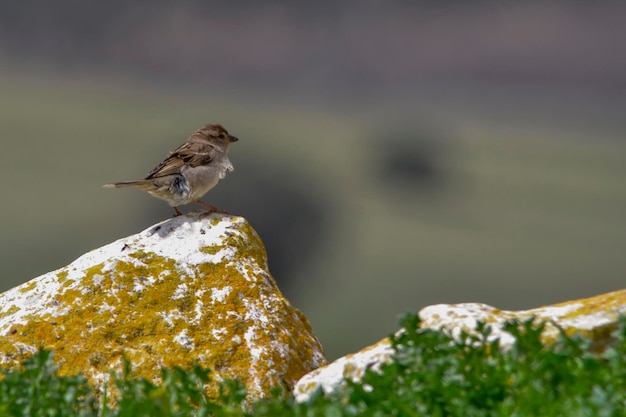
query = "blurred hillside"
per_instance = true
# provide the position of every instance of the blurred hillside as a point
(392, 155)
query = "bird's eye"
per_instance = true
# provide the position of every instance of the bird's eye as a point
(221, 136)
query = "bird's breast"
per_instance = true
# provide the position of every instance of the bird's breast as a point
(202, 178)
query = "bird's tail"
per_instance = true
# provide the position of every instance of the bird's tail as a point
(141, 184)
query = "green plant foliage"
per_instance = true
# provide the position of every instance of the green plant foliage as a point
(36, 390)
(434, 375)
(431, 375)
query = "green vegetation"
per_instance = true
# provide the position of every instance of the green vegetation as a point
(432, 375)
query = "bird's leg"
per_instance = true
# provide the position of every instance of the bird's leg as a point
(177, 212)
(211, 208)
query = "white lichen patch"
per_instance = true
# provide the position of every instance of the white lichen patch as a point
(184, 340)
(180, 291)
(171, 239)
(167, 318)
(218, 295)
(97, 280)
(351, 367)
(106, 307)
(219, 333)
(198, 310)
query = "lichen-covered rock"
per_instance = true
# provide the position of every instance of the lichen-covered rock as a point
(594, 317)
(191, 290)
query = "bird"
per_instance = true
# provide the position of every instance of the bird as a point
(190, 171)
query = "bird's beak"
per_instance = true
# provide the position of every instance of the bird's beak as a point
(233, 138)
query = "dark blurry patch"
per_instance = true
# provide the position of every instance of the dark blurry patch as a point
(410, 159)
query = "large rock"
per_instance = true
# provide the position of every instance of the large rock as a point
(594, 317)
(192, 289)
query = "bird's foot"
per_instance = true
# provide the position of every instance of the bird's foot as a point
(212, 209)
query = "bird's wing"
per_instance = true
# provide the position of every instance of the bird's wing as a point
(189, 153)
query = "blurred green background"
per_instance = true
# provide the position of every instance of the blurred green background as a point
(392, 156)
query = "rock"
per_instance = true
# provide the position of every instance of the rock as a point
(593, 317)
(194, 289)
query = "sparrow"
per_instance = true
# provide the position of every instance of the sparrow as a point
(190, 171)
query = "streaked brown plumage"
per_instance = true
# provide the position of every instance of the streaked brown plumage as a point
(191, 170)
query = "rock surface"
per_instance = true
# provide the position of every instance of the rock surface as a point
(192, 289)
(593, 317)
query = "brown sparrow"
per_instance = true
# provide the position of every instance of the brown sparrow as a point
(191, 170)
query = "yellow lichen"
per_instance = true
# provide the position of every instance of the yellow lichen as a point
(28, 287)
(211, 250)
(62, 277)
(9, 311)
(308, 387)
